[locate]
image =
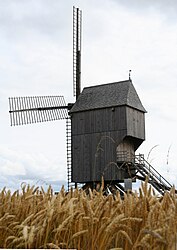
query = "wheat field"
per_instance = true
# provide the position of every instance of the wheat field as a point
(33, 218)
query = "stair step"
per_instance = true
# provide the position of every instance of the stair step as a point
(155, 179)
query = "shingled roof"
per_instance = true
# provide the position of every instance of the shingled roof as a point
(108, 95)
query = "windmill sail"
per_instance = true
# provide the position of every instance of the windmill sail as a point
(25, 110)
(77, 24)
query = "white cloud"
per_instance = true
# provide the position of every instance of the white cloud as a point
(166, 8)
(36, 59)
(34, 168)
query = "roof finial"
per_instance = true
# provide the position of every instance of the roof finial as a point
(130, 74)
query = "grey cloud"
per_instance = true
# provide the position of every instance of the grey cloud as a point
(34, 47)
(18, 18)
(161, 4)
(16, 168)
(15, 182)
(168, 8)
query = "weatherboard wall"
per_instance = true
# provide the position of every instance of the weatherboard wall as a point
(135, 123)
(95, 137)
(100, 120)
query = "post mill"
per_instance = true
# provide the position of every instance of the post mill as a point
(104, 127)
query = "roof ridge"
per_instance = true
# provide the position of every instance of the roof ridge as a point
(104, 84)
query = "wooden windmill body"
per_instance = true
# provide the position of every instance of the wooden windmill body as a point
(107, 127)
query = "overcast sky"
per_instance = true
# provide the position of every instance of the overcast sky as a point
(36, 59)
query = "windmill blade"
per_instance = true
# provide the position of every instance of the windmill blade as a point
(25, 110)
(77, 25)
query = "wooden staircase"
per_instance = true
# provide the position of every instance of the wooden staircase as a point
(144, 169)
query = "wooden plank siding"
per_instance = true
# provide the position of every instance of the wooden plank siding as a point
(100, 120)
(95, 155)
(96, 135)
(135, 123)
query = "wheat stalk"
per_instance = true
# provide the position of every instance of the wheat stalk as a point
(33, 218)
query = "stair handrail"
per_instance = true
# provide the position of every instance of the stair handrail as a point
(151, 169)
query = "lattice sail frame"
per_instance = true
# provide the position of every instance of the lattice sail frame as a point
(26, 110)
(77, 30)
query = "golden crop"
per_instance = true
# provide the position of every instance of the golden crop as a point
(33, 218)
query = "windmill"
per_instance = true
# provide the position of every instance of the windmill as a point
(104, 127)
